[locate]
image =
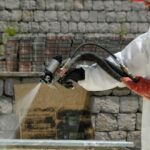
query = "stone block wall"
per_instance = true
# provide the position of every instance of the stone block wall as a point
(80, 18)
(116, 113)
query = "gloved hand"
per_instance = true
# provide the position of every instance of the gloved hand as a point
(142, 87)
(74, 74)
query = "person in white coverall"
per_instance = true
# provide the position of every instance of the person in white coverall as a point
(136, 57)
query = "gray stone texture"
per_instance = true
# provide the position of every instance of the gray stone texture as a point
(9, 87)
(1, 87)
(126, 121)
(106, 122)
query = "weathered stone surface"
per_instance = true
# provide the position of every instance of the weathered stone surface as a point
(16, 15)
(140, 104)
(118, 135)
(105, 104)
(9, 87)
(102, 93)
(138, 121)
(101, 16)
(135, 136)
(40, 5)
(50, 16)
(64, 27)
(84, 15)
(92, 16)
(8, 135)
(101, 136)
(129, 104)
(98, 5)
(50, 4)
(109, 5)
(60, 5)
(114, 28)
(5, 105)
(75, 16)
(110, 16)
(88, 4)
(2, 4)
(69, 4)
(39, 16)
(134, 28)
(78, 4)
(72, 27)
(121, 91)
(9, 122)
(126, 122)
(55, 27)
(28, 4)
(12, 4)
(132, 16)
(44, 27)
(106, 122)
(27, 15)
(143, 27)
(5, 15)
(24, 27)
(81, 27)
(34, 27)
(64, 16)
(91, 27)
(103, 28)
(121, 16)
(1, 87)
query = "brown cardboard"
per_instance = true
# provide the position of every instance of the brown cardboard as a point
(56, 112)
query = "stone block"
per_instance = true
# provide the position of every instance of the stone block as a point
(91, 27)
(44, 27)
(103, 28)
(132, 16)
(50, 4)
(109, 5)
(9, 122)
(40, 5)
(34, 27)
(129, 104)
(1, 87)
(72, 27)
(12, 4)
(8, 134)
(140, 104)
(50, 16)
(143, 27)
(54, 27)
(5, 105)
(5, 15)
(92, 16)
(88, 5)
(69, 4)
(3, 25)
(64, 16)
(121, 17)
(60, 5)
(134, 27)
(142, 16)
(9, 87)
(84, 15)
(126, 122)
(110, 16)
(106, 122)
(2, 4)
(16, 15)
(39, 16)
(98, 5)
(78, 4)
(101, 136)
(101, 16)
(102, 93)
(27, 15)
(81, 27)
(28, 4)
(115, 28)
(64, 27)
(75, 16)
(24, 27)
(120, 91)
(135, 136)
(138, 121)
(118, 135)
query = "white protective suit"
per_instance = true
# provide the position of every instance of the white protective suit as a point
(136, 57)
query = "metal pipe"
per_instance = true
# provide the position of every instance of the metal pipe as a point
(64, 143)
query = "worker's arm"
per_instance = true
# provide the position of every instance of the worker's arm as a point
(135, 57)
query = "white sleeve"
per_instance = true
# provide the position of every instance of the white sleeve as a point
(135, 56)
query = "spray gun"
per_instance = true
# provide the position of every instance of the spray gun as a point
(116, 71)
